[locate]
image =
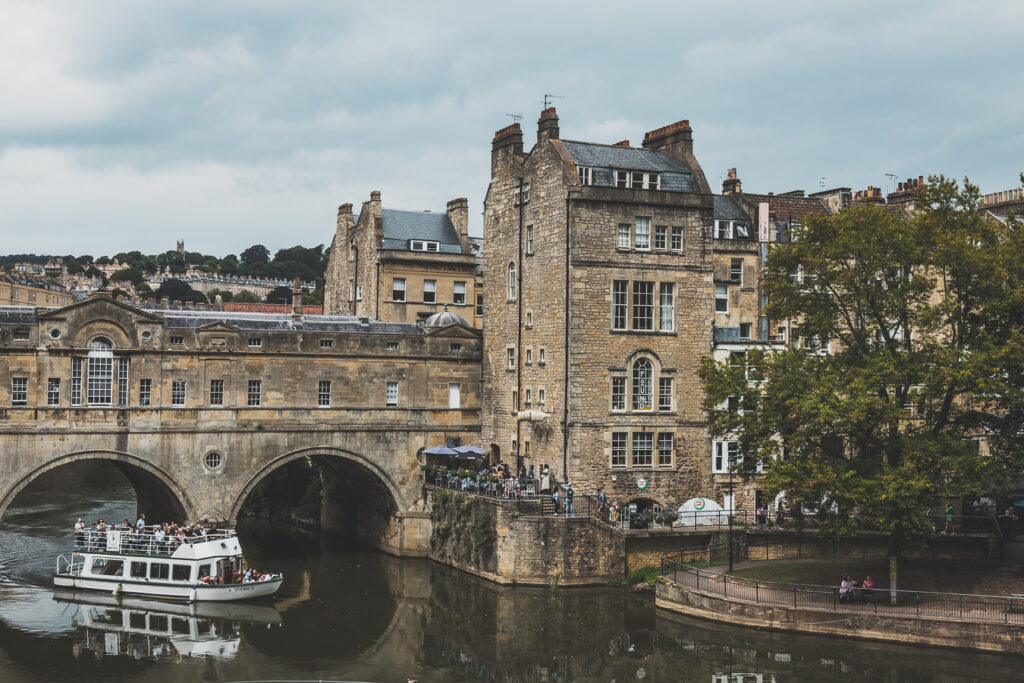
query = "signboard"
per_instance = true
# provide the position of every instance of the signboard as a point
(762, 221)
(114, 541)
(641, 483)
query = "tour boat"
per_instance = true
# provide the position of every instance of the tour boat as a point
(209, 567)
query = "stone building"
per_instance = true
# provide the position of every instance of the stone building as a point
(599, 280)
(403, 266)
(197, 406)
(17, 289)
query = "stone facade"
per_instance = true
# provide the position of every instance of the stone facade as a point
(198, 406)
(403, 266)
(18, 289)
(554, 264)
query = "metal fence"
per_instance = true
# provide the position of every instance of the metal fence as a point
(986, 608)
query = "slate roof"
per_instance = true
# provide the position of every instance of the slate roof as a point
(13, 315)
(727, 208)
(604, 159)
(284, 323)
(402, 226)
(787, 208)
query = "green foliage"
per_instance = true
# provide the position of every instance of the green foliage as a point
(257, 253)
(246, 297)
(463, 529)
(224, 294)
(923, 313)
(129, 274)
(176, 290)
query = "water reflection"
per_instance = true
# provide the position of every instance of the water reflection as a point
(347, 613)
(105, 626)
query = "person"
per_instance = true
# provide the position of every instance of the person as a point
(529, 474)
(554, 499)
(846, 589)
(140, 523)
(159, 537)
(545, 478)
(949, 519)
(79, 533)
(762, 515)
(1011, 521)
(569, 495)
(602, 501)
(867, 586)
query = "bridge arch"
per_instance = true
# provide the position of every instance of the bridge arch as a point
(167, 499)
(312, 451)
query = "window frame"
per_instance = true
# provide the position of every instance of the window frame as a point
(624, 236)
(666, 310)
(391, 394)
(660, 238)
(619, 450)
(637, 458)
(512, 283)
(254, 393)
(255, 342)
(398, 293)
(618, 393)
(586, 174)
(216, 392)
(323, 393)
(620, 304)
(676, 238)
(665, 452)
(666, 393)
(724, 451)
(179, 392)
(430, 287)
(722, 301)
(529, 240)
(19, 391)
(145, 392)
(645, 233)
(641, 387)
(643, 306)
(53, 391)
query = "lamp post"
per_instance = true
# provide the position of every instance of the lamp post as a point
(732, 510)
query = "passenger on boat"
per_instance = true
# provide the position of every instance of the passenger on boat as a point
(140, 524)
(160, 538)
(79, 533)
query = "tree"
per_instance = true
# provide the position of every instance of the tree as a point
(130, 274)
(279, 295)
(224, 294)
(257, 253)
(176, 290)
(922, 314)
(246, 297)
(93, 271)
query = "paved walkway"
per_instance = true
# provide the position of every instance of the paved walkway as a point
(907, 603)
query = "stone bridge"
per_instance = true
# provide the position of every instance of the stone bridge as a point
(198, 407)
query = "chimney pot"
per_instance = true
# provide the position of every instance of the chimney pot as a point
(375, 196)
(621, 143)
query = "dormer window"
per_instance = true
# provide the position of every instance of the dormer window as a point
(586, 175)
(522, 194)
(424, 245)
(731, 230)
(638, 180)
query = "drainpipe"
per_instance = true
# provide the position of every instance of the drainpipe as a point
(565, 350)
(376, 308)
(355, 282)
(519, 333)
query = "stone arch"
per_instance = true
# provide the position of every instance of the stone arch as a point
(253, 481)
(178, 496)
(120, 337)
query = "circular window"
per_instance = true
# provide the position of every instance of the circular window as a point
(55, 333)
(213, 460)
(146, 335)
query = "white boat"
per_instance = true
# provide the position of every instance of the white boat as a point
(209, 567)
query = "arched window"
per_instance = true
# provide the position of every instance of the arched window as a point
(99, 372)
(511, 281)
(643, 384)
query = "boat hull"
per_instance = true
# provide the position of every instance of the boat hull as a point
(214, 593)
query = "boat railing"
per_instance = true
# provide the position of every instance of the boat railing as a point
(149, 540)
(69, 566)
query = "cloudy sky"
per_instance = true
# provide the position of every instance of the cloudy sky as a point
(130, 125)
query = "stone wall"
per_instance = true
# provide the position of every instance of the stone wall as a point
(489, 538)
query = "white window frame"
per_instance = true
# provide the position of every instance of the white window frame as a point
(642, 234)
(216, 392)
(454, 396)
(326, 343)
(19, 391)
(720, 455)
(424, 245)
(398, 289)
(676, 238)
(99, 374)
(540, 396)
(255, 342)
(660, 237)
(620, 304)
(666, 390)
(512, 284)
(641, 387)
(624, 239)
(586, 174)
(53, 391)
(619, 450)
(529, 239)
(179, 388)
(721, 290)
(665, 446)
(430, 287)
(359, 292)
(123, 368)
(145, 392)
(391, 394)
(254, 393)
(736, 274)
(522, 194)
(642, 441)
(459, 293)
(666, 307)
(542, 357)
(643, 306)
(323, 393)
(618, 394)
(510, 355)
(723, 229)
(76, 381)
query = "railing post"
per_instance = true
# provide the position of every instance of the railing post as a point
(757, 592)
(725, 585)
(794, 595)
(835, 603)
(918, 604)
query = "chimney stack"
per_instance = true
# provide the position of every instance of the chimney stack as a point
(731, 184)
(547, 125)
(507, 142)
(297, 300)
(675, 139)
(458, 214)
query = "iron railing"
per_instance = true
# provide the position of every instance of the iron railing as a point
(145, 541)
(965, 607)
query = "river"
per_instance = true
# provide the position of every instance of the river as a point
(349, 613)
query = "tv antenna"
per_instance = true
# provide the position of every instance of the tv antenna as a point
(892, 177)
(821, 183)
(548, 97)
(516, 118)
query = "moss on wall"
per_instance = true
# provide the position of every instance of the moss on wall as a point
(464, 531)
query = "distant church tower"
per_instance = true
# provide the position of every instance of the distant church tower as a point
(181, 246)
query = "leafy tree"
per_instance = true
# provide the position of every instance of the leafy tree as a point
(923, 315)
(279, 295)
(93, 271)
(257, 253)
(103, 261)
(224, 294)
(129, 274)
(228, 265)
(136, 259)
(176, 290)
(72, 265)
(144, 290)
(246, 297)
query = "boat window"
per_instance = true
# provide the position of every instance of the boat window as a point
(204, 571)
(203, 627)
(159, 570)
(112, 617)
(137, 620)
(107, 567)
(158, 622)
(178, 624)
(182, 572)
(139, 570)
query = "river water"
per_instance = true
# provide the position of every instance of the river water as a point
(348, 613)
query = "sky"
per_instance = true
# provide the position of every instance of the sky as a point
(129, 126)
